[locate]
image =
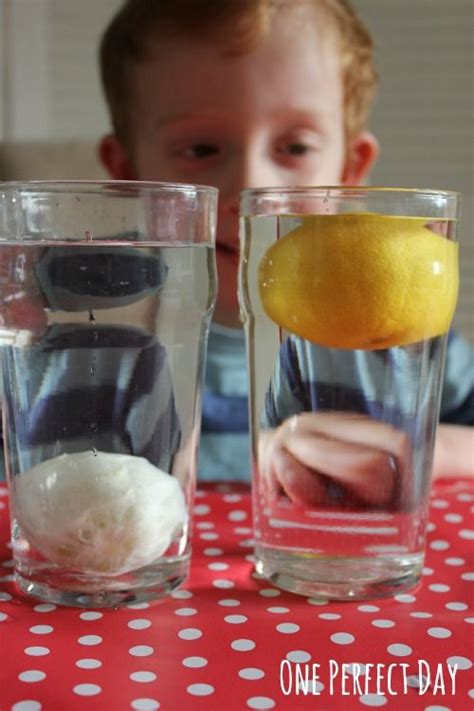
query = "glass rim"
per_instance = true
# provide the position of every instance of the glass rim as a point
(132, 186)
(337, 190)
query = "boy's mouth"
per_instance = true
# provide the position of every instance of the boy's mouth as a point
(227, 248)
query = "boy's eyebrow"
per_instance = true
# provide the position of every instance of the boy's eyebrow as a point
(298, 118)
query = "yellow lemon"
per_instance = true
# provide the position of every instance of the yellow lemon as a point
(361, 281)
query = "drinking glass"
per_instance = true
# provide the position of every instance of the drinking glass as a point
(106, 295)
(347, 296)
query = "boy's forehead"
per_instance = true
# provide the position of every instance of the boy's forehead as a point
(293, 62)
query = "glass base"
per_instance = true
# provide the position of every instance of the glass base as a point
(152, 584)
(339, 578)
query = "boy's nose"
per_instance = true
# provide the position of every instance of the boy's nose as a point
(246, 171)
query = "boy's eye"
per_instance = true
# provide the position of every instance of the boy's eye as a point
(201, 150)
(295, 149)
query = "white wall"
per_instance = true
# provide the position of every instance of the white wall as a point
(424, 115)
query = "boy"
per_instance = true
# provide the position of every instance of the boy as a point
(250, 93)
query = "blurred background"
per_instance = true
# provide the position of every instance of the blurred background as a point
(52, 111)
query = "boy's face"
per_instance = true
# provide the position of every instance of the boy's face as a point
(271, 117)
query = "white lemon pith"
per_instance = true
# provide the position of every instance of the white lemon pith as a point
(361, 281)
(100, 512)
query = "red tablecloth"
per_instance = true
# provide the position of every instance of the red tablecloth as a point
(230, 641)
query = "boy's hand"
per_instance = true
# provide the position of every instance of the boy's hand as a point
(334, 459)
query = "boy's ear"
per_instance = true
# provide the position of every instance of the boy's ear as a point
(114, 158)
(362, 153)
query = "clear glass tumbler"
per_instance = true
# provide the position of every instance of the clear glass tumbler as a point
(106, 295)
(347, 296)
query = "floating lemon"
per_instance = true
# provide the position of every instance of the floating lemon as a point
(362, 281)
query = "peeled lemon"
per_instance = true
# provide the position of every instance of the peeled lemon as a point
(361, 281)
(98, 512)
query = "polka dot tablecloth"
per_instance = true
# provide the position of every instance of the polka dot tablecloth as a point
(229, 640)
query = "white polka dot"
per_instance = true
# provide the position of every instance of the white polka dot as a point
(228, 602)
(190, 633)
(218, 566)
(202, 509)
(421, 615)
(141, 605)
(405, 598)
(437, 708)
(251, 673)
(204, 525)
(260, 702)
(87, 689)
(46, 607)
(467, 576)
(416, 681)
(439, 587)
(90, 616)
(453, 518)
(41, 629)
(287, 628)
(90, 640)
(182, 594)
(399, 650)
(208, 536)
(469, 620)
(298, 656)
(342, 638)
(235, 619)
(439, 545)
(143, 677)
(145, 704)
(462, 662)
(3, 616)
(439, 504)
(430, 527)
(213, 551)
(222, 583)
(32, 675)
(195, 662)
(200, 689)
(232, 498)
(242, 530)
(317, 601)
(439, 632)
(139, 624)
(329, 616)
(466, 534)
(427, 571)
(269, 592)
(465, 497)
(141, 650)
(242, 645)
(37, 651)
(456, 606)
(368, 608)
(4, 597)
(237, 515)
(373, 700)
(248, 543)
(357, 669)
(278, 610)
(27, 705)
(186, 611)
(453, 560)
(383, 623)
(470, 693)
(88, 663)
